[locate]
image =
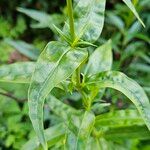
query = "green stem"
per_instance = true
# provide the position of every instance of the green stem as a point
(71, 20)
(78, 77)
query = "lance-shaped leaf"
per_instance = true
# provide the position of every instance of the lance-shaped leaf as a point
(100, 60)
(55, 64)
(45, 20)
(90, 19)
(128, 132)
(132, 8)
(118, 118)
(17, 72)
(24, 48)
(53, 136)
(127, 86)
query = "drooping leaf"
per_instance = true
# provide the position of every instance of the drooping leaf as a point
(132, 8)
(44, 20)
(17, 72)
(24, 48)
(127, 86)
(100, 60)
(55, 64)
(53, 136)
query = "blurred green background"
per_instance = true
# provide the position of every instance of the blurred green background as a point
(25, 29)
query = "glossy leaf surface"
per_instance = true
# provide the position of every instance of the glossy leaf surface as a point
(55, 64)
(100, 60)
(132, 8)
(17, 72)
(128, 87)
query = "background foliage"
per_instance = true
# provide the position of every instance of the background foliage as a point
(20, 40)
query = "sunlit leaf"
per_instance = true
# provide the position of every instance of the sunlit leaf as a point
(55, 64)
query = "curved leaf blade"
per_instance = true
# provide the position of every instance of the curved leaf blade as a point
(17, 72)
(55, 64)
(100, 60)
(132, 8)
(128, 87)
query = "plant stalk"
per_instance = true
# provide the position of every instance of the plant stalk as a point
(71, 19)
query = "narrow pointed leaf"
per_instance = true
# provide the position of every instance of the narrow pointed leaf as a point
(17, 72)
(100, 60)
(128, 87)
(24, 48)
(129, 132)
(55, 64)
(44, 20)
(132, 8)
(119, 118)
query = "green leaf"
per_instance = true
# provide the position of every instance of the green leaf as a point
(90, 19)
(129, 132)
(127, 86)
(24, 48)
(45, 20)
(53, 136)
(118, 118)
(17, 72)
(60, 108)
(100, 60)
(132, 8)
(55, 64)
(80, 130)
